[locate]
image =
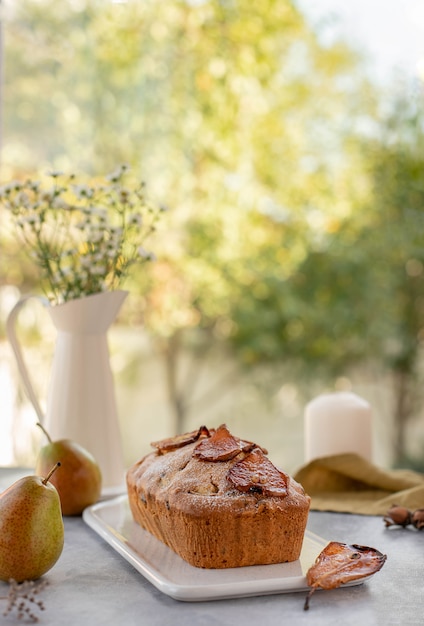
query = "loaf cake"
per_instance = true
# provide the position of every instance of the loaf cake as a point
(218, 501)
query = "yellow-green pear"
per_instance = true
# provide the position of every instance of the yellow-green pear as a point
(79, 481)
(31, 528)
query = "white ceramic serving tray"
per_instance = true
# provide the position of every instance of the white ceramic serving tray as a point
(112, 520)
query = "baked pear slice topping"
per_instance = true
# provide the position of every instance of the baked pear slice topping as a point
(179, 441)
(221, 446)
(256, 474)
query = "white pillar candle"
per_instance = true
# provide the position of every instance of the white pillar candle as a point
(336, 423)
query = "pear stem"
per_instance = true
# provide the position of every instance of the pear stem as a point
(53, 469)
(44, 431)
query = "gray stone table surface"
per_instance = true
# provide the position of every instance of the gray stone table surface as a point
(91, 584)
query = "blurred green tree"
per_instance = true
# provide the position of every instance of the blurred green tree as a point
(356, 298)
(393, 245)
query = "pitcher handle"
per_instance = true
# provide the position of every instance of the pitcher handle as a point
(23, 370)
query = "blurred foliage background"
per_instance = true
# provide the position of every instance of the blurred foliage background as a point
(291, 261)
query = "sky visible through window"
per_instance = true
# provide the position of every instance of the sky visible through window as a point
(389, 32)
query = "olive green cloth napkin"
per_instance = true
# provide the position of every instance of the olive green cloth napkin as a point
(348, 483)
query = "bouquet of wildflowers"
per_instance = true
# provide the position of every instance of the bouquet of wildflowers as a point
(83, 237)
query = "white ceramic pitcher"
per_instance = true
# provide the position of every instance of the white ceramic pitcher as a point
(81, 401)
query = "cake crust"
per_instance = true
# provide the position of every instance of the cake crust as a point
(218, 502)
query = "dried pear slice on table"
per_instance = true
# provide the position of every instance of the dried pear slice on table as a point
(340, 563)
